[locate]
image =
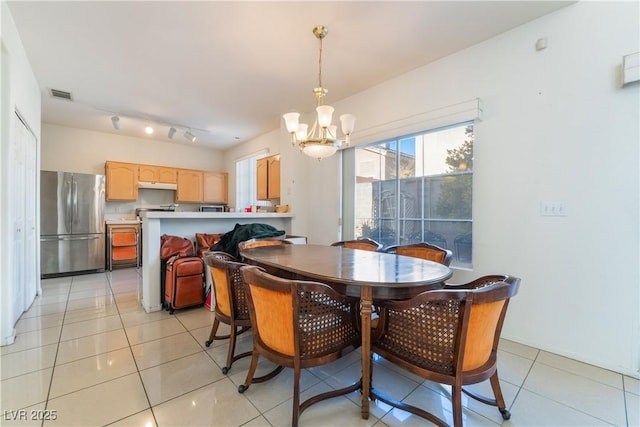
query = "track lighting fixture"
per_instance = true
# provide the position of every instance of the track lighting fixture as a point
(191, 137)
(151, 124)
(115, 121)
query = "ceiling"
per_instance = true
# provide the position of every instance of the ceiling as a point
(227, 71)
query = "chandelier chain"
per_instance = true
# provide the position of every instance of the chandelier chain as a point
(320, 66)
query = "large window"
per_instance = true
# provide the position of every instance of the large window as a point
(418, 188)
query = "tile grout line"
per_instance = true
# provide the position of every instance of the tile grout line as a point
(144, 388)
(523, 381)
(556, 401)
(55, 359)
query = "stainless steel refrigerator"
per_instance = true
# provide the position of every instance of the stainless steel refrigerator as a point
(72, 235)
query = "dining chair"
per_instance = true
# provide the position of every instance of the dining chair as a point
(298, 324)
(364, 243)
(449, 336)
(254, 243)
(231, 307)
(423, 250)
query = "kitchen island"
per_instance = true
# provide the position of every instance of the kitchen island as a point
(187, 224)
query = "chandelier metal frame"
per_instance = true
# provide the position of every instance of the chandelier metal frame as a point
(321, 140)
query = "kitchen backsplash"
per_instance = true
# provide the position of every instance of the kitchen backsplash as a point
(147, 198)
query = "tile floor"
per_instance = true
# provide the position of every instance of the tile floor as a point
(87, 354)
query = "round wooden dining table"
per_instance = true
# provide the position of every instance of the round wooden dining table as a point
(357, 273)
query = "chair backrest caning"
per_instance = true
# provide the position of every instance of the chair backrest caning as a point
(430, 330)
(300, 318)
(326, 320)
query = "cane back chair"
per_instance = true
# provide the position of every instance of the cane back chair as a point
(231, 305)
(298, 324)
(364, 244)
(423, 250)
(448, 336)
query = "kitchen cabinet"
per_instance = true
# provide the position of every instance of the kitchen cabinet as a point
(150, 173)
(189, 186)
(122, 181)
(215, 187)
(268, 178)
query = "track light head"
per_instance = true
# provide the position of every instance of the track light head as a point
(115, 121)
(172, 131)
(191, 137)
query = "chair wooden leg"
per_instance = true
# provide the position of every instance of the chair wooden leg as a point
(232, 349)
(456, 402)
(212, 334)
(497, 392)
(252, 370)
(296, 396)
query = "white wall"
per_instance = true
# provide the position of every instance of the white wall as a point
(85, 151)
(557, 127)
(19, 91)
(79, 150)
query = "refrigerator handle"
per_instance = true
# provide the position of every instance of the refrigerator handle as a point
(72, 237)
(75, 202)
(67, 218)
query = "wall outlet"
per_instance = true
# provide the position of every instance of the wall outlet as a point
(552, 209)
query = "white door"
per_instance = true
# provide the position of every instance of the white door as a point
(30, 237)
(23, 186)
(16, 178)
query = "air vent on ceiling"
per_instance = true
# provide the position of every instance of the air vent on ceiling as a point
(61, 94)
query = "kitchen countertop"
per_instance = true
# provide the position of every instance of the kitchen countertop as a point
(213, 215)
(122, 221)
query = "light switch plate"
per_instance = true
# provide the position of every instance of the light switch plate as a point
(552, 209)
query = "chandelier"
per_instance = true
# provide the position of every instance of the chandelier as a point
(321, 140)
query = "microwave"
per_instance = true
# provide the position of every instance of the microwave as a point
(211, 208)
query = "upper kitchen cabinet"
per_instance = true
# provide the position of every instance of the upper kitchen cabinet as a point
(150, 173)
(215, 186)
(122, 181)
(189, 186)
(268, 177)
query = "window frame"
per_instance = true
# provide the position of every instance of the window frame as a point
(251, 179)
(349, 202)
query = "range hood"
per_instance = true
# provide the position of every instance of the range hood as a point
(157, 185)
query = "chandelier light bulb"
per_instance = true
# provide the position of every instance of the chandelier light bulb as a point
(301, 133)
(348, 122)
(325, 114)
(291, 120)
